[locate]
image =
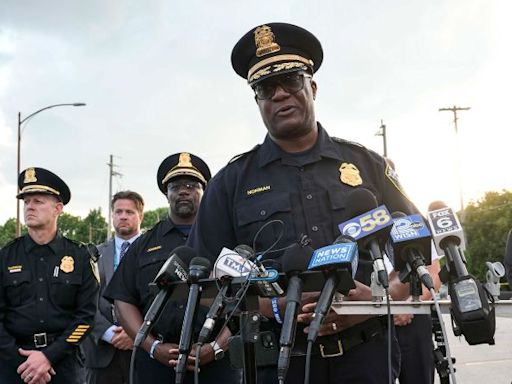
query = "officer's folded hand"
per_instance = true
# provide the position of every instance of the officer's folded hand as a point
(36, 369)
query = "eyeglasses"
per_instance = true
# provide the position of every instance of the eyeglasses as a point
(175, 186)
(291, 83)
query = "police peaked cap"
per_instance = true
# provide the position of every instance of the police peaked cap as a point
(273, 49)
(40, 180)
(182, 164)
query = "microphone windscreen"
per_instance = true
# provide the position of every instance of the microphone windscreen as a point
(200, 262)
(359, 201)
(186, 254)
(296, 258)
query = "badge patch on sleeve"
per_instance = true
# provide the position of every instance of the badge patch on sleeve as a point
(349, 174)
(67, 264)
(95, 270)
(393, 177)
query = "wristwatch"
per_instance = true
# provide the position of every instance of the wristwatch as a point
(218, 352)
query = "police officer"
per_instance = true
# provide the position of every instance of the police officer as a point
(300, 177)
(48, 290)
(182, 177)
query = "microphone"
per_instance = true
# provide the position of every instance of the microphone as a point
(174, 269)
(448, 238)
(199, 269)
(266, 279)
(410, 239)
(370, 228)
(471, 313)
(226, 267)
(294, 261)
(342, 254)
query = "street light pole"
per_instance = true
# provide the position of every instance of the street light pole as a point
(382, 132)
(18, 162)
(454, 109)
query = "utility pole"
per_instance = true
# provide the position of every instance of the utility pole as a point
(111, 173)
(382, 132)
(454, 109)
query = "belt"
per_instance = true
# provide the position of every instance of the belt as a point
(38, 340)
(342, 342)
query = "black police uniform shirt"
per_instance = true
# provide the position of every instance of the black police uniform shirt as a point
(50, 288)
(139, 267)
(303, 191)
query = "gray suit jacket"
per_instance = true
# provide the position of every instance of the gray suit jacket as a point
(99, 353)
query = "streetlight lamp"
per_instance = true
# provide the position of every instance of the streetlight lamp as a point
(382, 132)
(20, 122)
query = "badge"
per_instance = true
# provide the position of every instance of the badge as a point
(67, 264)
(349, 174)
(185, 161)
(30, 176)
(264, 40)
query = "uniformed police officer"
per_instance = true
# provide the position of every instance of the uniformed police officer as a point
(48, 290)
(301, 177)
(182, 177)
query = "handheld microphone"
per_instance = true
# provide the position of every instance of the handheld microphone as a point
(448, 238)
(174, 269)
(471, 313)
(370, 229)
(267, 289)
(294, 261)
(227, 266)
(342, 254)
(199, 269)
(410, 239)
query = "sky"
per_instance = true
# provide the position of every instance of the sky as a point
(157, 79)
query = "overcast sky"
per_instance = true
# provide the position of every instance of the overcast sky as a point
(157, 79)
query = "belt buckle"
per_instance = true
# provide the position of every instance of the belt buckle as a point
(325, 355)
(40, 340)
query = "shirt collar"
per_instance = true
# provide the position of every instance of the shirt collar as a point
(324, 147)
(55, 245)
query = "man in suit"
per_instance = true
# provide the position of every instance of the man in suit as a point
(108, 348)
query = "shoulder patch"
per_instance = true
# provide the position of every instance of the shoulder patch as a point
(392, 176)
(237, 157)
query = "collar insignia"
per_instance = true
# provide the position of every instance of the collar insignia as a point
(264, 39)
(30, 176)
(67, 264)
(349, 174)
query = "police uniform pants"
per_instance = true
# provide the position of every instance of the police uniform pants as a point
(363, 364)
(148, 370)
(68, 371)
(415, 339)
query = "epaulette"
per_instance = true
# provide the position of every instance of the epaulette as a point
(241, 155)
(13, 241)
(343, 141)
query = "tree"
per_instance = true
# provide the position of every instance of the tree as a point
(93, 229)
(69, 224)
(486, 224)
(7, 231)
(153, 217)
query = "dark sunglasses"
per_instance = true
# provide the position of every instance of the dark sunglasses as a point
(291, 83)
(175, 186)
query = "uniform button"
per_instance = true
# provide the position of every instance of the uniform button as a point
(309, 197)
(41, 279)
(41, 321)
(314, 228)
(263, 212)
(41, 259)
(41, 299)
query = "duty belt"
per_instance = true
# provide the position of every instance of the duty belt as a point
(340, 343)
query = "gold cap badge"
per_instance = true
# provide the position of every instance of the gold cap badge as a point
(349, 174)
(30, 176)
(264, 39)
(185, 160)
(67, 264)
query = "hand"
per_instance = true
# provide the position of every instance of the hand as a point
(207, 356)
(165, 353)
(121, 340)
(36, 369)
(404, 319)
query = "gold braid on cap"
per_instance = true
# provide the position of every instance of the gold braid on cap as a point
(288, 60)
(39, 188)
(184, 168)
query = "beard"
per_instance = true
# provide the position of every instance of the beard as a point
(184, 209)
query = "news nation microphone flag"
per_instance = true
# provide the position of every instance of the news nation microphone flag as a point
(336, 255)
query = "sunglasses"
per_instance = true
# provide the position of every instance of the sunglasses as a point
(291, 83)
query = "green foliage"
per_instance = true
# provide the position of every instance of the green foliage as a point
(486, 224)
(153, 217)
(7, 231)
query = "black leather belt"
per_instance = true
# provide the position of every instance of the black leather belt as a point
(38, 340)
(340, 343)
